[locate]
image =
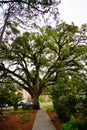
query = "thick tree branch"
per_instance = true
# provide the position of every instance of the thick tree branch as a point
(5, 24)
(30, 3)
(28, 89)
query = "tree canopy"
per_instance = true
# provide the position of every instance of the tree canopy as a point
(38, 60)
(25, 13)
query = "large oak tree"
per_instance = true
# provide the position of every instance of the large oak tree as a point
(38, 60)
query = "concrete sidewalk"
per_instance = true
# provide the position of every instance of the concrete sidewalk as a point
(42, 121)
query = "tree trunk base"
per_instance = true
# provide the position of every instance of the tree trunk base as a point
(36, 107)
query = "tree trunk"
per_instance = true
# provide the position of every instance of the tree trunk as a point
(36, 104)
(1, 110)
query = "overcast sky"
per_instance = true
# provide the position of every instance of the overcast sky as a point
(73, 11)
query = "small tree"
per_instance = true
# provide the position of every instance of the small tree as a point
(9, 94)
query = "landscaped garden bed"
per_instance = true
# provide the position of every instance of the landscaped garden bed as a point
(17, 120)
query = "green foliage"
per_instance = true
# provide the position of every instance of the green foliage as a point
(9, 94)
(70, 126)
(25, 114)
(76, 125)
(41, 59)
(69, 98)
(49, 107)
(60, 102)
(15, 31)
(24, 119)
(19, 111)
(41, 99)
(82, 125)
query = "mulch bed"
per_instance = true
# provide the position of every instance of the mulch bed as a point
(10, 121)
(13, 122)
(57, 123)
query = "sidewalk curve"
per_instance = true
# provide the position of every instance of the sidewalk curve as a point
(42, 121)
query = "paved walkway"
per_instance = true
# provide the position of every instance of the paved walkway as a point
(42, 121)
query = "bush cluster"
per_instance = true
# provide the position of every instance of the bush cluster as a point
(70, 99)
(69, 126)
(75, 126)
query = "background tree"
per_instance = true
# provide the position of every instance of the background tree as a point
(10, 93)
(23, 13)
(38, 60)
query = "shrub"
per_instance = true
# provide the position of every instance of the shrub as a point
(60, 101)
(75, 125)
(69, 126)
(82, 105)
(62, 111)
(70, 98)
(24, 119)
(82, 125)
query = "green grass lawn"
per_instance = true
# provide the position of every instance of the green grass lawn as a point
(49, 107)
